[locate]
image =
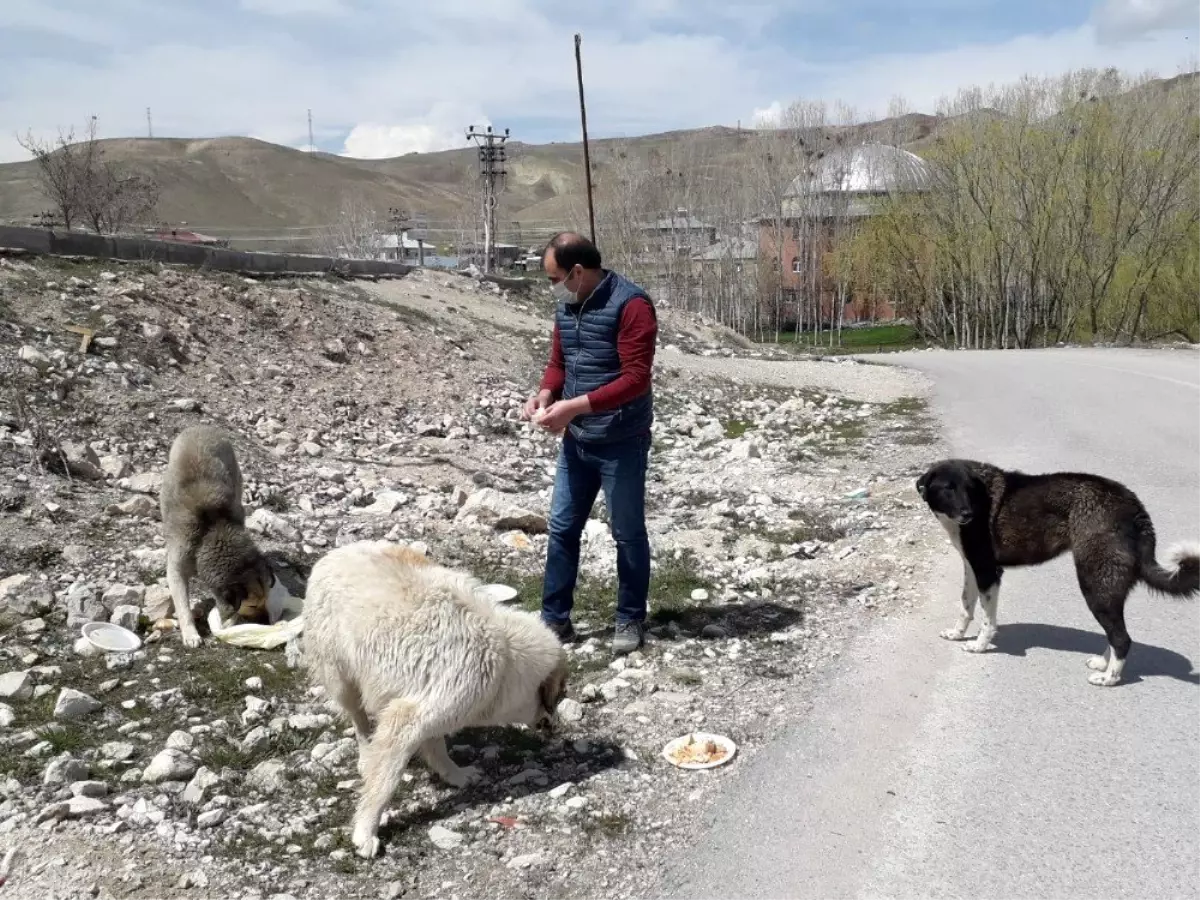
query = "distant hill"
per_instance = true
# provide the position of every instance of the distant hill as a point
(236, 186)
(225, 184)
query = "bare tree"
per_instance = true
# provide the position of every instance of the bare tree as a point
(356, 232)
(82, 184)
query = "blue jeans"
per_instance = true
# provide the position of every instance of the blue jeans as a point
(583, 470)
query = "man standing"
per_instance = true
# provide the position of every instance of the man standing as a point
(597, 387)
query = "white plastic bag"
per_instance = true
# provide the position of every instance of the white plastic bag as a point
(285, 612)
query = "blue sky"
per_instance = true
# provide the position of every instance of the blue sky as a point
(385, 77)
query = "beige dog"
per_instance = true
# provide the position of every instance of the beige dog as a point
(205, 529)
(395, 638)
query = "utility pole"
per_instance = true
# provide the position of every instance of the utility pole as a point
(492, 156)
(587, 160)
(311, 146)
(401, 223)
(149, 124)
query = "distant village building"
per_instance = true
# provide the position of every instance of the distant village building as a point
(822, 207)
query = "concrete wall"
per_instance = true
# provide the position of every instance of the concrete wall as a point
(75, 243)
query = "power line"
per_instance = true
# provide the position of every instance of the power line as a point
(492, 156)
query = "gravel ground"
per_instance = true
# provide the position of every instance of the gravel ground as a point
(782, 519)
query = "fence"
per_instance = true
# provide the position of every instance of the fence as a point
(74, 243)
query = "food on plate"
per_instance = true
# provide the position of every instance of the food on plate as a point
(696, 752)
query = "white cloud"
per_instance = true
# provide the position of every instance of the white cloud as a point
(924, 79)
(1123, 20)
(383, 83)
(443, 128)
(767, 116)
(296, 7)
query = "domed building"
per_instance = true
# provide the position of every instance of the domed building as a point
(822, 207)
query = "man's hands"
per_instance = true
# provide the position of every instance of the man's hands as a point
(540, 400)
(554, 416)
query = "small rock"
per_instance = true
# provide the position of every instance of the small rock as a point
(184, 404)
(202, 782)
(526, 861)
(153, 333)
(16, 686)
(65, 769)
(489, 507)
(169, 765)
(570, 710)
(211, 819)
(714, 632)
(73, 704)
(180, 740)
(268, 777)
(115, 466)
(158, 603)
(89, 789)
(135, 507)
(118, 751)
(196, 879)
(272, 524)
(445, 839)
(576, 803)
(7, 716)
(561, 791)
(34, 357)
(126, 616)
(699, 595)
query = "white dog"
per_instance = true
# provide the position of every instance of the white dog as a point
(398, 639)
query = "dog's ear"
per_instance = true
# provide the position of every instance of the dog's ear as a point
(923, 482)
(552, 689)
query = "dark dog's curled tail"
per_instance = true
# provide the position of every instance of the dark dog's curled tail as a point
(1180, 577)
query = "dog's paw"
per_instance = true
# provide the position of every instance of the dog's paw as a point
(953, 634)
(975, 647)
(1099, 663)
(1103, 679)
(463, 776)
(191, 639)
(365, 844)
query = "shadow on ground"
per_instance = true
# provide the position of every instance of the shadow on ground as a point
(1144, 661)
(493, 787)
(746, 620)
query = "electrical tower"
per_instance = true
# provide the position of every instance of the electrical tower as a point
(402, 223)
(311, 146)
(492, 157)
(149, 124)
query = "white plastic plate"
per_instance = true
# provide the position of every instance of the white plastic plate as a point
(496, 593)
(699, 737)
(111, 638)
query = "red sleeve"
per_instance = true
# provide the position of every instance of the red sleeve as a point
(635, 346)
(556, 372)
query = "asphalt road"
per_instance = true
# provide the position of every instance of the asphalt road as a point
(922, 771)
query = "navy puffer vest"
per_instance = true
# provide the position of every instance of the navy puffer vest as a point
(588, 332)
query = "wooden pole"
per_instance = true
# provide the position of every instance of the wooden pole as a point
(587, 161)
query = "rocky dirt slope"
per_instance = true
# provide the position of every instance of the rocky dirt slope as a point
(781, 517)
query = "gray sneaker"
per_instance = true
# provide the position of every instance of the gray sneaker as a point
(629, 636)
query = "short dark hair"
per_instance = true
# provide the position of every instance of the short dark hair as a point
(571, 249)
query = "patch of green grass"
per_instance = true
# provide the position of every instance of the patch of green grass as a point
(810, 526)
(909, 421)
(878, 338)
(735, 428)
(63, 737)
